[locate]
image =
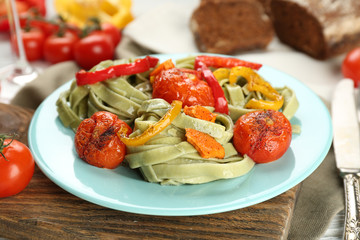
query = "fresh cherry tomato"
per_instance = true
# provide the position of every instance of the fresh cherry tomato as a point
(46, 27)
(263, 135)
(112, 31)
(60, 48)
(33, 40)
(351, 66)
(40, 5)
(174, 84)
(25, 9)
(96, 140)
(21, 8)
(16, 169)
(93, 49)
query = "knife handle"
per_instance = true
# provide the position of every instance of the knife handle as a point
(352, 206)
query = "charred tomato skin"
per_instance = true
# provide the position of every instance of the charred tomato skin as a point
(263, 135)
(97, 143)
(177, 84)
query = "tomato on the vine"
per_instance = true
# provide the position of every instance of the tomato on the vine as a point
(263, 135)
(93, 49)
(46, 27)
(351, 66)
(112, 31)
(60, 47)
(16, 169)
(33, 40)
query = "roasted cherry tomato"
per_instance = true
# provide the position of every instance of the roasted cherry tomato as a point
(263, 135)
(33, 40)
(351, 66)
(174, 84)
(96, 140)
(16, 169)
(60, 47)
(93, 49)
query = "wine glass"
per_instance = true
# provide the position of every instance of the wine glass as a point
(21, 72)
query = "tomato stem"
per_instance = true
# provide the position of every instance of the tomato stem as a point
(3, 137)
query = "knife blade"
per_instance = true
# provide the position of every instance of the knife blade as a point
(346, 144)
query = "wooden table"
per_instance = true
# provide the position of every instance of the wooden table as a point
(45, 211)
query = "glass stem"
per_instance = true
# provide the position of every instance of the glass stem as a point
(21, 64)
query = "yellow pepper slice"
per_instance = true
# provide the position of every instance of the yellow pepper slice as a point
(235, 73)
(153, 129)
(78, 12)
(221, 73)
(257, 83)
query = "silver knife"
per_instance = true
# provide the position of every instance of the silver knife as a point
(347, 152)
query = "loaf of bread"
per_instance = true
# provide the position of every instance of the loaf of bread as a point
(231, 26)
(320, 28)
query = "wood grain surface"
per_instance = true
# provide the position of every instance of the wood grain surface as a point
(45, 211)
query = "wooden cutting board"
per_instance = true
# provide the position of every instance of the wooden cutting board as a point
(45, 211)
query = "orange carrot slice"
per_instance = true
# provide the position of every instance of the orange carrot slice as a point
(205, 144)
(200, 112)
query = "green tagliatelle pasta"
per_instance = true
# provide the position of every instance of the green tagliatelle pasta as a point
(169, 159)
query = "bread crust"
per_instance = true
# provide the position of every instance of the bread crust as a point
(321, 28)
(230, 26)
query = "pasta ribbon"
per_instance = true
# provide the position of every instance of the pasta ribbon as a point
(155, 128)
(169, 159)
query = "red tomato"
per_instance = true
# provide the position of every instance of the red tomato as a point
(93, 49)
(96, 140)
(112, 31)
(46, 27)
(351, 66)
(174, 84)
(263, 135)
(21, 7)
(60, 48)
(39, 4)
(33, 40)
(17, 169)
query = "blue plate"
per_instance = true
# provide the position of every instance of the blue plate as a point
(124, 189)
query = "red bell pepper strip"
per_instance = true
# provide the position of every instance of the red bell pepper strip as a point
(139, 66)
(225, 62)
(221, 104)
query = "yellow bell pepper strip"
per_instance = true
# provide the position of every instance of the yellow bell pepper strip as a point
(116, 12)
(139, 66)
(257, 83)
(225, 62)
(221, 104)
(168, 64)
(153, 129)
(221, 73)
